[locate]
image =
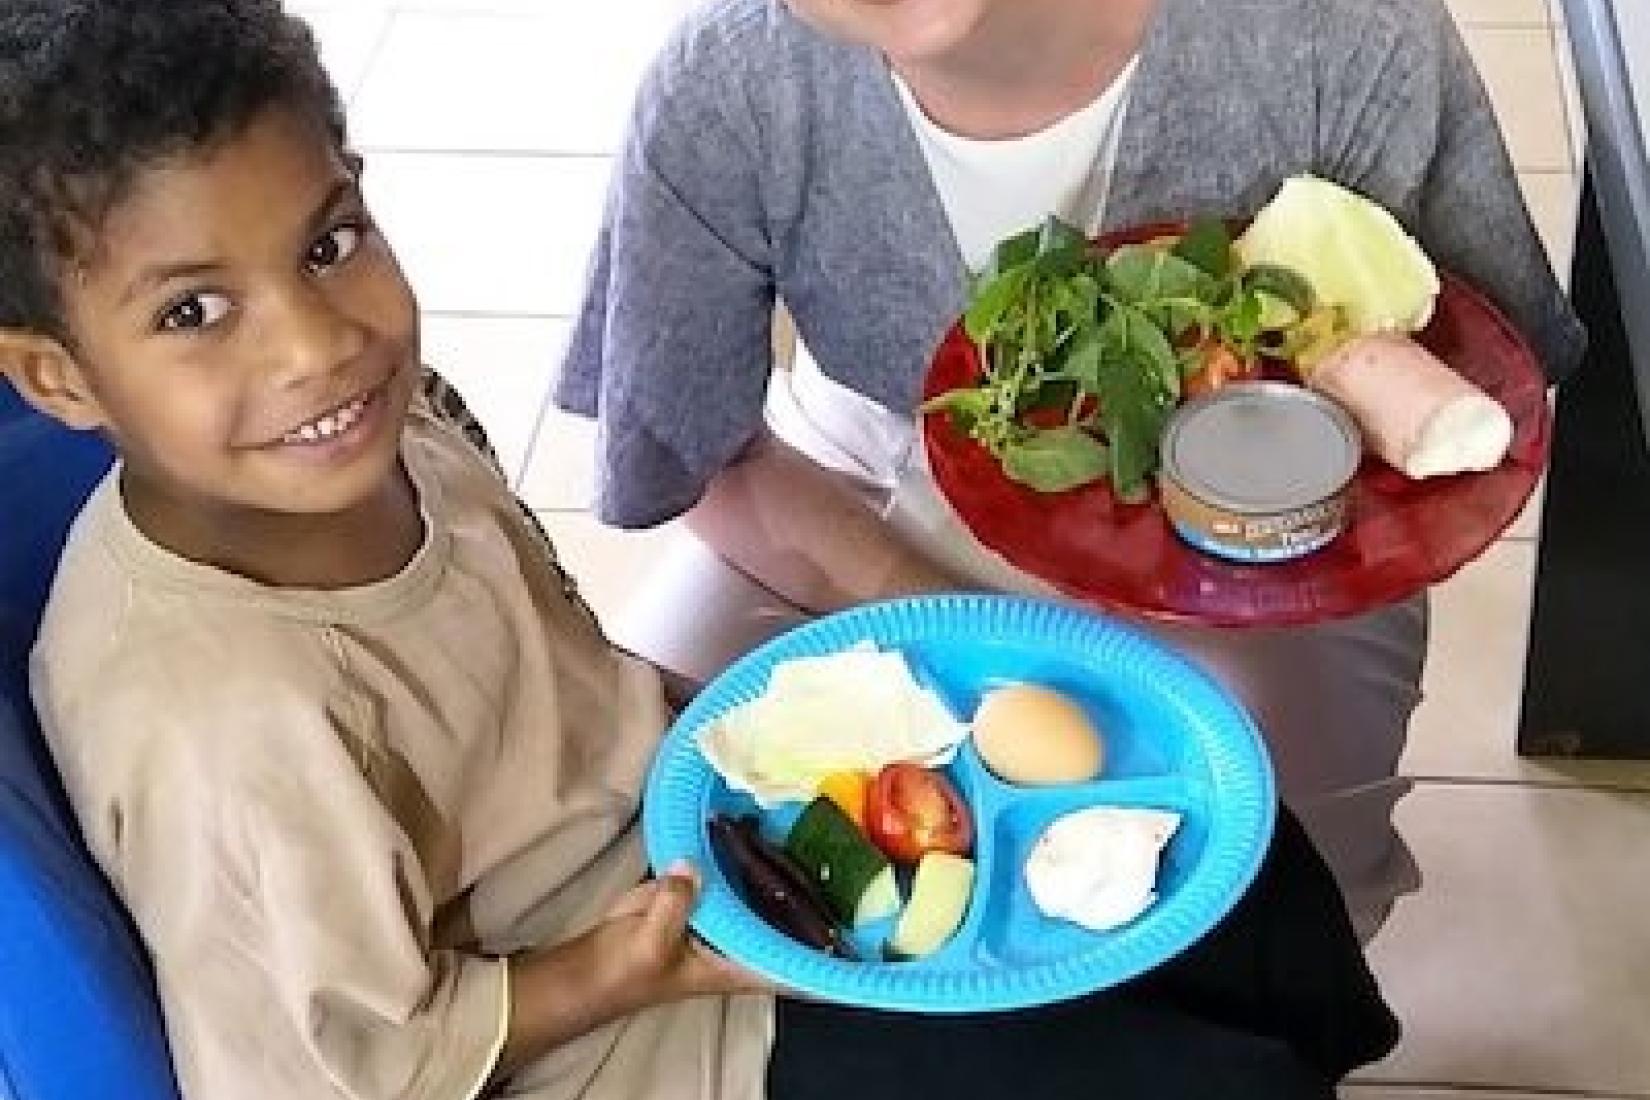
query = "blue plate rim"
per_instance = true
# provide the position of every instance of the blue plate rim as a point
(1236, 845)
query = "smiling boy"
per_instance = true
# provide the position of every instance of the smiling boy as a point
(363, 772)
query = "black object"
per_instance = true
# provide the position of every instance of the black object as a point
(1275, 1003)
(775, 887)
(1587, 683)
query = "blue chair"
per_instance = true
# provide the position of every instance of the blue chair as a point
(78, 1014)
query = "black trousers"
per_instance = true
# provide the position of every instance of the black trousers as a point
(1275, 1003)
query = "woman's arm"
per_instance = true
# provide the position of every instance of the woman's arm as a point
(806, 533)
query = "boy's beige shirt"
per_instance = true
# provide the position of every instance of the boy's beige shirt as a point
(331, 813)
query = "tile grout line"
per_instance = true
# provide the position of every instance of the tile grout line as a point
(1558, 42)
(518, 483)
(1489, 1092)
(385, 20)
(1531, 784)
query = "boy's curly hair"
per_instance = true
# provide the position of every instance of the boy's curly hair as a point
(92, 91)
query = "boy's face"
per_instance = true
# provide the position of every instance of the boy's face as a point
(242, 332)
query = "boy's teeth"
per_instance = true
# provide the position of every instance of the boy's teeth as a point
(333, 424)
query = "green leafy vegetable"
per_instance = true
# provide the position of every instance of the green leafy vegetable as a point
(1058, 459)
(1083, 353)
(1207, 246)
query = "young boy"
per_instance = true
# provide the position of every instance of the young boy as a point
(345, 747)
(353, 754)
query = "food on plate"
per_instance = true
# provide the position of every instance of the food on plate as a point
(1352, 251)
(848, 790)
(778, 890)
(1258, 472)
(1035, 736)
(911, 811)
(939, 901)
(1416, 413)
(854, 877)
(1097, 867)
(1083, 351)
(855, 710)
(1218, 365)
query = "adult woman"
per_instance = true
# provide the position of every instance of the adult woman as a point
(855, 157)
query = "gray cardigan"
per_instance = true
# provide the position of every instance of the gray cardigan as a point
(764, 159)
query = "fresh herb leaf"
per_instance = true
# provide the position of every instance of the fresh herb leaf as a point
(994, 302)
(1139, 273)
(1207, 246)
(1055, 236)
(1240, 322)
(1153, 350)
(1012, 253)
(1135, 402)
(1056, 460)
(966, 407)
(1173, 293)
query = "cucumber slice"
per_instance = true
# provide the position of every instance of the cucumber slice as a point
(939, 900)
(855, 878)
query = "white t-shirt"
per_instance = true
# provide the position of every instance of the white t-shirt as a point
(992, 189)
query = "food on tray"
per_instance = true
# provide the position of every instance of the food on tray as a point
(1258, 472)
(854, 877)
(1086, 353)
(911, 811)
(1098, 867)
(778, 890)
(939, 901)
(855, 710)
(1352, 252)
(848, 790)
(1035, 736)
(1416, 413)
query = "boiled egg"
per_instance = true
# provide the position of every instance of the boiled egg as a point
(1035, 736)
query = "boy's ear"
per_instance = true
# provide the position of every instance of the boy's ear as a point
(47, 376)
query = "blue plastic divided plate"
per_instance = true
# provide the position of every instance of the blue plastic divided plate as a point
(1174, 740)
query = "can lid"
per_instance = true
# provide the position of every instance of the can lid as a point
(1261, 447)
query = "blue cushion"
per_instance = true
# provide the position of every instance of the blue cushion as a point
(78, 1013)
(45, 473)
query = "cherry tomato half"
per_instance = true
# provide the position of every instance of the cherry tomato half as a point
(911, 811)
(1220, 365)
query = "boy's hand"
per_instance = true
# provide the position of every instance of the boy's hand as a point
(646, 936)
(641, 954)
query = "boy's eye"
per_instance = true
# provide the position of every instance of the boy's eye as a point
(195, 311)
(333, 247)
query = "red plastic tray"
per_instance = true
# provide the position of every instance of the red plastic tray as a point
(1403, 535)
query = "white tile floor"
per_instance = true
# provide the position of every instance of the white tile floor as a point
(1523, 967)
